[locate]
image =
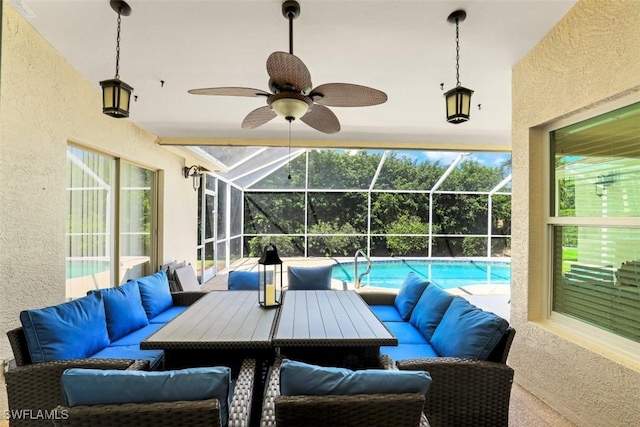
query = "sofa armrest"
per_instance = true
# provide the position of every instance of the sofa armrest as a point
(465, 391)
(187, 298)
(37, 386)
(191, 413)
(378, 297)
(240, 408)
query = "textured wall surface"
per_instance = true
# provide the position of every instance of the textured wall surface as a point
(45, 104)
(589, 59)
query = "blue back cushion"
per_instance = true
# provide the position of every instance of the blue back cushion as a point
(72, 330)
(110, 386)
(243, 281)
(155, 293)
(409, 294)
(310, 278)
(429, 310)
(298, 378)
(123, 308)
(467, 331)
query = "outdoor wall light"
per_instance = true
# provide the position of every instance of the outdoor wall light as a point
(116, 94)
(458, 99)
(270, 278)
(194, 172)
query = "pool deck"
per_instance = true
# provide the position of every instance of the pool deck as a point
(493, 298)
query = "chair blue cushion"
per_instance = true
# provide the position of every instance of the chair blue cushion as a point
(71, 330)
(155, 293)
(298, 378)
(123, 308)
(136, 336)
(134, 352)
(310, 278)
(243, 280)
(467, 331)
(409, 294)
(386, 313)
(406, 333)
(429, 310)
(112, 387)
(409, 351)
(169, 314)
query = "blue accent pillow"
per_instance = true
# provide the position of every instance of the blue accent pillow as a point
(429, 310)
(124, 311)
(310, 278)
(243, 280)
(71, 330)
(467, 331)
(409, 294)
(155, 293)
(111, 386)
(298, 378)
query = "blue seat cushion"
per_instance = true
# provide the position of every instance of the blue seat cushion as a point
(112, 387)
(310, 278)
(429, 310)
(386, 313)
(409, 294)
(409, 351)
(123, 308)
(298, 378)
(467, 331)
(71, 330)
(136, 336)
(243, 280)
(169, 314)
(130, 352)
(155, 293)
(406, 333)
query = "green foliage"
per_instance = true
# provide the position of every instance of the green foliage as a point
(333, 245)
(284, 245)
(474, 246)
(408, 245)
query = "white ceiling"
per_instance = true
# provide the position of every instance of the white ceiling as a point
(405, 48)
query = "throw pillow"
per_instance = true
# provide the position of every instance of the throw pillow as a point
(310, 278)
(298, 378)
(243, 280)
(155, 293)
(409, 294)
(124, 311)
(467, 331)
(71, 330)
(112, 387)
(429, 310)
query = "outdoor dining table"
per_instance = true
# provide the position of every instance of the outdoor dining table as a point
(222, 327)
(331, 328)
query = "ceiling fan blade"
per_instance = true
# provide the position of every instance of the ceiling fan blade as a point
(288, 72)
(347, 95)
(321, 118)
(258, 117)
(229, 91)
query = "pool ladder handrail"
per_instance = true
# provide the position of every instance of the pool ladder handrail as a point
(358, 279)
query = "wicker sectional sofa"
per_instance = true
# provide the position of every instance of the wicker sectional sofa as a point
(463, 348)
(102, 331)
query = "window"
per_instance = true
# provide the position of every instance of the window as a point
(594, 221)
(99, 254)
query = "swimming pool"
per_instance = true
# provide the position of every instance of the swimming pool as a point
(446, 274)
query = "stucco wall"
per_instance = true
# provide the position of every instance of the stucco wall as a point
(45, 103)
(589, 59)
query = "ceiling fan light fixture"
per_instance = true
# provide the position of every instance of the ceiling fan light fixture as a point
(290, 108)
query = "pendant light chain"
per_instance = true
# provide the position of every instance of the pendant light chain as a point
(118, 47)
(457, 53)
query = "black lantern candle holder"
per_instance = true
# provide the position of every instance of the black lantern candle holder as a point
(270, 278)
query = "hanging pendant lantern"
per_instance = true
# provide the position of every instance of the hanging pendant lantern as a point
(458, 99)
(116, 94)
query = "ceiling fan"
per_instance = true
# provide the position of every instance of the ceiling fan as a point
(292, 93)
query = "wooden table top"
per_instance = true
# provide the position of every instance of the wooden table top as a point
(218, 320)
(328, 318)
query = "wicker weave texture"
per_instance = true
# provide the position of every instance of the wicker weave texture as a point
(465, 392)
(183, 299)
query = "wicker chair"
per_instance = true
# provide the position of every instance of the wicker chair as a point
(192, 413)
(367, 410)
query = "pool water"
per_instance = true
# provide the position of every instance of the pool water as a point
(446, 274)
(82, 267)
